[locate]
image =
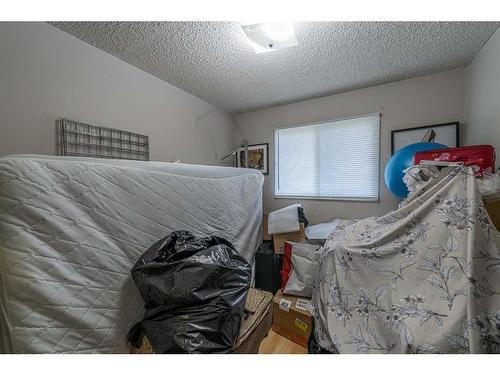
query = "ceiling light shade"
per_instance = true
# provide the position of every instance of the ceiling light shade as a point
(271, 36)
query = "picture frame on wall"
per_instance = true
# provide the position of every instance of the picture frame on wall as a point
(258, 157)
(447, 134)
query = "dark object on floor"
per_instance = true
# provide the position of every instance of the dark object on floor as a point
(194, 290)
(314, 348)
(257, 322)
(267, 268)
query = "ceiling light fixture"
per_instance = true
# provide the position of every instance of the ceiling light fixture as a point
(270, 36)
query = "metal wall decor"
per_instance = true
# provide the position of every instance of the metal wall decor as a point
(76, 138)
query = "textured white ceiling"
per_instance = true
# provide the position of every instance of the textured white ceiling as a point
(214, 61)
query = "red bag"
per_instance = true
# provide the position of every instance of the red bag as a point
(286, 267)
(480, 157)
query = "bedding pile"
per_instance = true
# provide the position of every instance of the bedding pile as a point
(422, 279)
(72, 228)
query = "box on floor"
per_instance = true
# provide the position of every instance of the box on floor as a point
(291, 318)
(492, 205)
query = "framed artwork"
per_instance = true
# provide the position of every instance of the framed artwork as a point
(447, 134)
(258, 157)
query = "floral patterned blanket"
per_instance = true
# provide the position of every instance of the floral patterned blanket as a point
(422, 279)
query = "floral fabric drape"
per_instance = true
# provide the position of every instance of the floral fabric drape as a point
(422, 279)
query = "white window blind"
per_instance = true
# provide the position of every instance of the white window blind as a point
(332, 160)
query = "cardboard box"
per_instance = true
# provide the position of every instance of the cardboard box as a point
(291, 319)
(279, 239)
(266, 236)
(492, 206)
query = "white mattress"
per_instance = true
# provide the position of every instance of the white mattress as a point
(72, 228)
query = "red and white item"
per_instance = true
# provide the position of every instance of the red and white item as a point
(286, 267)
(481, 157)
(305, 266)
(300, 263)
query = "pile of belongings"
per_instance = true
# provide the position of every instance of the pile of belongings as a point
(424, 278)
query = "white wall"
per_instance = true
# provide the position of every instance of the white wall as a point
(482, 91)
(46, 73)
(420, 101)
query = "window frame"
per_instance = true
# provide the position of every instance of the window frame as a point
(278, 195)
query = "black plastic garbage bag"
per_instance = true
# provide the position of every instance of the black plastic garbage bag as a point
(194, 290)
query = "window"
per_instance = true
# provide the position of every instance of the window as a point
(330, 160)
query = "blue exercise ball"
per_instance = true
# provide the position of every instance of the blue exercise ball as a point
(400, 161)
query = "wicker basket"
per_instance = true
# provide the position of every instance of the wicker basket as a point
(254, 328)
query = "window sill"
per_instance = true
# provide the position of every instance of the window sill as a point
(348, 199)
